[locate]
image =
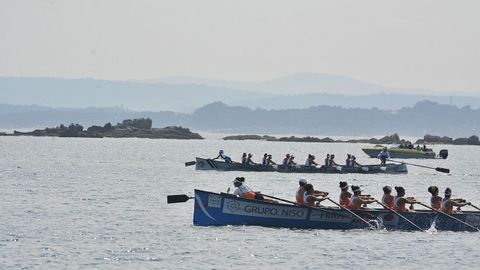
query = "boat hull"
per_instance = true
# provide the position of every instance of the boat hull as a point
(213, 209)
(399, 153)
(209, 164)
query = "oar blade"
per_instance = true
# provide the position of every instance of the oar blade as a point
(190, 163)
(444, 170)
(177, 198)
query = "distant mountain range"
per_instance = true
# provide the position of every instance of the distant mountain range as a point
(423, 118)
(184, 94)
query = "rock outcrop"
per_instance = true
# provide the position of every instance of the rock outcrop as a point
(136, 128)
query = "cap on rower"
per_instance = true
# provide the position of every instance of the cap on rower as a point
(356, 189)
(303, 181)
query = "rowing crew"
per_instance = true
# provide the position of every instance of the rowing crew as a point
(289, 160)
(307, 195)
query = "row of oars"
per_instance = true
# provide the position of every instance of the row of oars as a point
(184, 198)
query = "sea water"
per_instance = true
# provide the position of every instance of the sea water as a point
(75, 203)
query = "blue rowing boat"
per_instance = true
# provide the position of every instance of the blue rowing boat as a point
(217, 209)
(210, 164)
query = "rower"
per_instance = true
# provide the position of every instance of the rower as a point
(348, 161)
(309, 197)
(357, 200)
(270, 161)
(388, 198)
(383, 156)
(244, 158)
(265, 159)
(286, 160)
(332, 161)
(344, 194)
(435, 200)
(311, 161)
(301, 190)
(243, 191)
(355, 163)
(399, 201)
(226, 158)
(327, 161)
(249, 160)
(448, 203)
(291, 162)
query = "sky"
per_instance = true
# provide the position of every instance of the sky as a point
(407, 44)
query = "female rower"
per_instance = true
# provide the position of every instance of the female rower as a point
(355, 163)
(358, 200)
(435, 200)
(249, 160)
(399, 200)
(344, 194)
(448, 203)
(270, 161)
(388, 198)
(309, 197)
(244, 158)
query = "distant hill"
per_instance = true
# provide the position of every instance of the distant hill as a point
(423, 118)
(185, 94)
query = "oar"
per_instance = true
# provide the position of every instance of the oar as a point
(178, 198)
(398, 214)
(190, 163)
(476, 207)
(352, 213)
(319, 209)
(438, 169)
(450, 216)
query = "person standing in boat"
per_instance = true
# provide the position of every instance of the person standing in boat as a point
(388, 198)
(400, 201)
(310, 198)
(244, 158)
(435, 200)
(221, 155)
(448, 203)
(344, 194)
(270, 161)
(357, 200)
(249, 160)
(384, 156)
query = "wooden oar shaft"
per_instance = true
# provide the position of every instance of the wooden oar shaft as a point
(438, 169)
(450, 216)
(475, 207)
(398, 214)
(352, 213)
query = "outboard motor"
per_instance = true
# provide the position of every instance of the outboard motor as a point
(443, 153)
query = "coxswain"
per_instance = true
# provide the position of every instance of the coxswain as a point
(344, 194)
(286, 160)
(399, 201)
(226, 158)
(388, 198)
(448, 203)
(270, 161)
(348, 161)
(244, 158)
(265, 159)
(309, 197)
(357, 200)
(435, 200)
(384, 156)
(327, 161)
(243, 191)
(249, 160)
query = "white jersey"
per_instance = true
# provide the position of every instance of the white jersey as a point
(242, 190)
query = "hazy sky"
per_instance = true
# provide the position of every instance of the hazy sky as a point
(426, 44)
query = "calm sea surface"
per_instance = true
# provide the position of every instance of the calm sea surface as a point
(101, 203)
